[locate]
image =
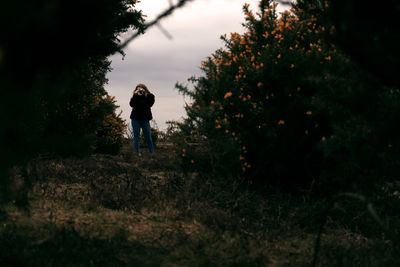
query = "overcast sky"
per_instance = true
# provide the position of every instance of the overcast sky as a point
(159, 62)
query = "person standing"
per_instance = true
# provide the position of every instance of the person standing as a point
(141, 102)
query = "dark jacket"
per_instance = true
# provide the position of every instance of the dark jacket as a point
(141, 107)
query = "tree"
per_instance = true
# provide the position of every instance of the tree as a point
(52, 72)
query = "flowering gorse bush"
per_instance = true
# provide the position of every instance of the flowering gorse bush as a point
(83, 121)
(110, 134)
(271, 102)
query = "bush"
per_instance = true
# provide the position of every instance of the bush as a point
(110, 134)
(282, 105)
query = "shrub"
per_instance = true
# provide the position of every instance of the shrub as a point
(282, 105)
(110, 134)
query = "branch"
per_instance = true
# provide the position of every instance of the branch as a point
(389, 232)
(286, 2)
(164, 31)
(156, 21)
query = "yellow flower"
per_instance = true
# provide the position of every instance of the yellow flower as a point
(228, 94)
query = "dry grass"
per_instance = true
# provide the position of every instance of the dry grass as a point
(140, 211)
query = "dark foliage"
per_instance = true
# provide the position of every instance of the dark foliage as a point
(284, 105)
(367, 30)
(52, 72)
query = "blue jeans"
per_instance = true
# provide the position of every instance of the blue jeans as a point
(145, 126)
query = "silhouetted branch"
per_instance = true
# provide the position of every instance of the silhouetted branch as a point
(156, 21)
(371, 211)
(164, 31)
(369, 207)
(324, 218)
(286, 3)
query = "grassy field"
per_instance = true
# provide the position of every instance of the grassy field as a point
(126, 210)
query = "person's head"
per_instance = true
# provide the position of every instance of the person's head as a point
(141, 89)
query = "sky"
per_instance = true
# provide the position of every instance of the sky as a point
(160, 62)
